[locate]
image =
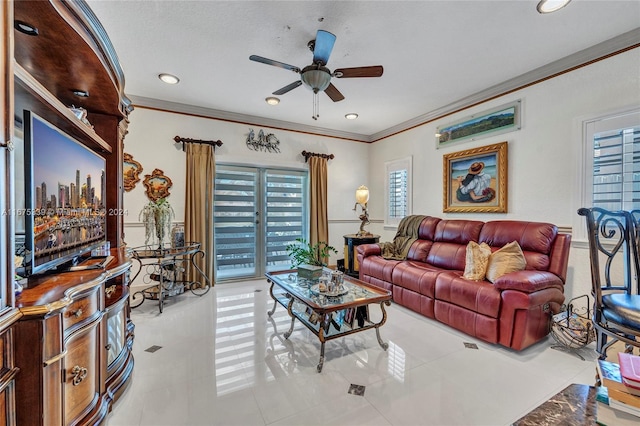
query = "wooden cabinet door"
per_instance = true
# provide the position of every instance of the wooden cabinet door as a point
(81, 373)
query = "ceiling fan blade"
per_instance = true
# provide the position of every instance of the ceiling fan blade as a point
(372, 71)
(333, 93)
(267, 61)
(287, 88)
(323, 46)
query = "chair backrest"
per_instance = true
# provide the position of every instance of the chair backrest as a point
(635, 218)
(613, 251)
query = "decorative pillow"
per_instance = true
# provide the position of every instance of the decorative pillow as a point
(508, 259)
(476, 261)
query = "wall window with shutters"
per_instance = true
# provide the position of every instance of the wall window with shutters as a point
(398, 190)
(611, 172)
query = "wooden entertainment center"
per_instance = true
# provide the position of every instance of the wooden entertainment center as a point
(65, 341)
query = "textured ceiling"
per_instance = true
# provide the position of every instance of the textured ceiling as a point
(433, 52)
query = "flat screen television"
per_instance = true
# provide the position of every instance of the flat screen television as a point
(64, 197)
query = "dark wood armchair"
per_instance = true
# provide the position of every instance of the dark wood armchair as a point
(615, 271)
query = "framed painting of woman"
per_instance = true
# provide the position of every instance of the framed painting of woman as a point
(475, 180)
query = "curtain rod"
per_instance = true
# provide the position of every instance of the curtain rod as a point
(306, 155)
(182, 140)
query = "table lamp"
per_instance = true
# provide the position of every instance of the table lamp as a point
(362, 198)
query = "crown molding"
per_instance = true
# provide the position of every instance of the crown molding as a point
(598, 52)
(157, 104)
(608, 48)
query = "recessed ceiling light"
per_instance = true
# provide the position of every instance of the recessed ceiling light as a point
(25, 28)
(548, 6)
(351, 116)
(81, 93)
(169, 78)
(271, 100)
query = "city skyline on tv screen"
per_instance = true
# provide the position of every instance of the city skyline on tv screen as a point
(73, 176)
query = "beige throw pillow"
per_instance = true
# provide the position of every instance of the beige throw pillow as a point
(508, 259)
(476, 261)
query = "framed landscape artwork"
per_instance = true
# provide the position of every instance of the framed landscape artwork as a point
(502, 119)
(157, 185)
(131, 170)
(475, 180)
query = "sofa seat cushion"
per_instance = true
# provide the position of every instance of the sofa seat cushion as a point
(378, 267)
(478, 296)
(416, 276)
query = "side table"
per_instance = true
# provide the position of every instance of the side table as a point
(164, 268)
(351, 241)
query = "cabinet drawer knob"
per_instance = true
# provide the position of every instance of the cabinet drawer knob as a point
(108, 347)
(79, 374)
(77, 313)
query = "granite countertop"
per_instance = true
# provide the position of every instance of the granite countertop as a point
(574, 405)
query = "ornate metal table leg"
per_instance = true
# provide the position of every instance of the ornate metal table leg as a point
(202, 288)
(293, 319)
(275, 301)
(321, 362)
(324, 328)
(383, 344)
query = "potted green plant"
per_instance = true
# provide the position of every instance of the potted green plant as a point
(157, 217)
(309, 258)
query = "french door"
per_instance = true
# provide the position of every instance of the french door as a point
(257, 211)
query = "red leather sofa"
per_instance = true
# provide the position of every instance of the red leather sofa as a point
(514, 311)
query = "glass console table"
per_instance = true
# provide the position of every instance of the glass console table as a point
(165, 269)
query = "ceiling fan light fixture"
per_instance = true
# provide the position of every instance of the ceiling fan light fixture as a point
(316, 78)
(351, 116)
(272, 100)
(169, 78)
(548, 6)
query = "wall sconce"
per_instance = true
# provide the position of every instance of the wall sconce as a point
(362, 198)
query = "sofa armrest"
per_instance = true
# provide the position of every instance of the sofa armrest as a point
(366, 250)
(529, 281)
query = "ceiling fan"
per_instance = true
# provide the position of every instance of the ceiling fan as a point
(317, 76)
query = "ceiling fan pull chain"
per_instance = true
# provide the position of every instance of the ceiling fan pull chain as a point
(316, 106)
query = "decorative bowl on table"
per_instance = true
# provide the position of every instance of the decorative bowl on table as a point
(318, 290)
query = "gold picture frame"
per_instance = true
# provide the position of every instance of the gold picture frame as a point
(131, 170)
(157, 185)
(475, 180)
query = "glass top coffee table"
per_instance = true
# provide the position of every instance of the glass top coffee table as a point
(328, 315)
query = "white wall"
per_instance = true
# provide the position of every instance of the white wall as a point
(150, 142)
(544, 156)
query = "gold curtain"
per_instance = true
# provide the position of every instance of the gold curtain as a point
(319, 222)
(198, 211)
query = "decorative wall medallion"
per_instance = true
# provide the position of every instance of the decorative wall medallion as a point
(157, 185)
(264, 143)
(131, 169)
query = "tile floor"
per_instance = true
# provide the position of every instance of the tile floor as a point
(223, 362)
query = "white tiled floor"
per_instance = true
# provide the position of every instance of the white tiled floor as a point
(223, 362)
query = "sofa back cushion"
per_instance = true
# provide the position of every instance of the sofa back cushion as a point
(535, 238)
(450, 243)
(426, 233)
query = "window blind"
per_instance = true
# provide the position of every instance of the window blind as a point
(398, 194)
(616, 169)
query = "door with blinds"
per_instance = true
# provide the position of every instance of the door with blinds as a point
(258, 212)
